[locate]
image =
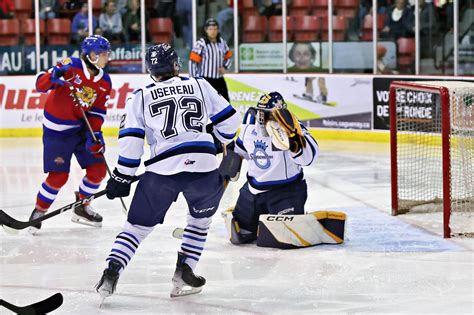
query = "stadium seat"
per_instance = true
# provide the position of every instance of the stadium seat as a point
(65, 12)
(339, 25)
(406, 53)
(161, 30)
(320, 8)
(306, 28)
(59, 31)
(275, 32)
(300, 7)
(96, 8)
(23, 9)
(254, 29)
(367, 26)
(346, 8)
(248, 8)
(29, 28)
(9, 30)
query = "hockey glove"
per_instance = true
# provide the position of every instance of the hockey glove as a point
(61, 71)
(118, 185)
(290, 123)
(97, 148)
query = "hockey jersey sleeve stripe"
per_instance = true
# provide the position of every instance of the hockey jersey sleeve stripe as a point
(190, 147)
(240, 144)
(272, 184)
(229, 136)
(132, 132)
(223, 115)
(128, 162)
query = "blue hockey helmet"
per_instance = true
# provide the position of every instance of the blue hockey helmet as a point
(95, 43)
(162, 59)
(271, 100)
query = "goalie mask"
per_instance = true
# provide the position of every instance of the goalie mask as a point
(266, 103)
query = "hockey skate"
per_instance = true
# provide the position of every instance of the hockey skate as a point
(185, 282)
(35, 215)
(84, 214)
(107, 284)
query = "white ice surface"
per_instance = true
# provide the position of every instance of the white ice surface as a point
(387, 264)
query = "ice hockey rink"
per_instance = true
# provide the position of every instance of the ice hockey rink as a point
(387, 264)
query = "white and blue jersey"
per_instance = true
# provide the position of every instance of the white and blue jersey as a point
(172, 115)
(268, 166)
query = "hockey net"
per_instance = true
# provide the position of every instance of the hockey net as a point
(432, 151)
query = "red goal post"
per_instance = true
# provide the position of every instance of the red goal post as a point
(432, 149)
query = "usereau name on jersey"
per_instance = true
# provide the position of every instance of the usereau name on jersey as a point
(172, 90)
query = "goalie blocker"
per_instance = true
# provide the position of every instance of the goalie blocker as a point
(294, 231)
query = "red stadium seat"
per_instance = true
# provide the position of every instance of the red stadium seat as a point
(275, 32)
(254, 29)
(23, 9)
(320, 7)
(346, 8)
(161, 30)
(29, 28)
(367, 26)
(9, 30)
(306, 28)
(59, 31)
(248, 8)
(300, 7)
(339, 26)
(96, 8)
(406, 53)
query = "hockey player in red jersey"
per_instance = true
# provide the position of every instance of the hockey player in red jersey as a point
(74, 83)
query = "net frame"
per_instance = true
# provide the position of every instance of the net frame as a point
(443, 90)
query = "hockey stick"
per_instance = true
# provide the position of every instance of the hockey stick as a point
(42, 307)
(13, 223)
(73, 94)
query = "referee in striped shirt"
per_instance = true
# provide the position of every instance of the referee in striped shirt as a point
(210, 57)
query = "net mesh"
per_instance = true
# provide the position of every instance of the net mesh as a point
(419, 153)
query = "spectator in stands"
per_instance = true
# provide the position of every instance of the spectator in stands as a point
(365, 8)
(400, 21)
(131, 22)
(121, 5)
(184, 18)
(49, 9)
(164, 8)
(110, 22)
(80, 24)
(225, 18)
(429, 27)
(303, 55)
(7, 9)
(270, 7)
(381, 67)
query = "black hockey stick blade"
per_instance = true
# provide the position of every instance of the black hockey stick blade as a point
(7, 220)
(41, 307)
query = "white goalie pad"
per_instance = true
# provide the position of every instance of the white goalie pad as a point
(294, 231)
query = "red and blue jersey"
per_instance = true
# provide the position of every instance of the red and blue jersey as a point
(62, 115)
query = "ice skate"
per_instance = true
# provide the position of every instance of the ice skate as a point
(85, 214)
(107, 284)
(35, 215)
(185, 282)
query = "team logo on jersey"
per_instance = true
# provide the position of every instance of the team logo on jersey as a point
(86, 96)
(66, 61)
(260, 156)
(59, 160)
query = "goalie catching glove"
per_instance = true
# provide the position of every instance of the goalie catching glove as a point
(291, 125)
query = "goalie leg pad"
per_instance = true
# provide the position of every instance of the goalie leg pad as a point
(294, 231)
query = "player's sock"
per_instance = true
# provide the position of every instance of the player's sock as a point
(46, 196)
(127, 242)
(87, 187)
(194, 238)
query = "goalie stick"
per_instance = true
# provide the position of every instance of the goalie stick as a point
(73, 94)
(42, 307)
(6, 220)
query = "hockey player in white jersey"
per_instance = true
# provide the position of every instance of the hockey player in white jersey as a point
(172, 114)
(275, 181)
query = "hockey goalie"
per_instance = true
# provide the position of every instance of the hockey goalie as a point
(270, 206)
